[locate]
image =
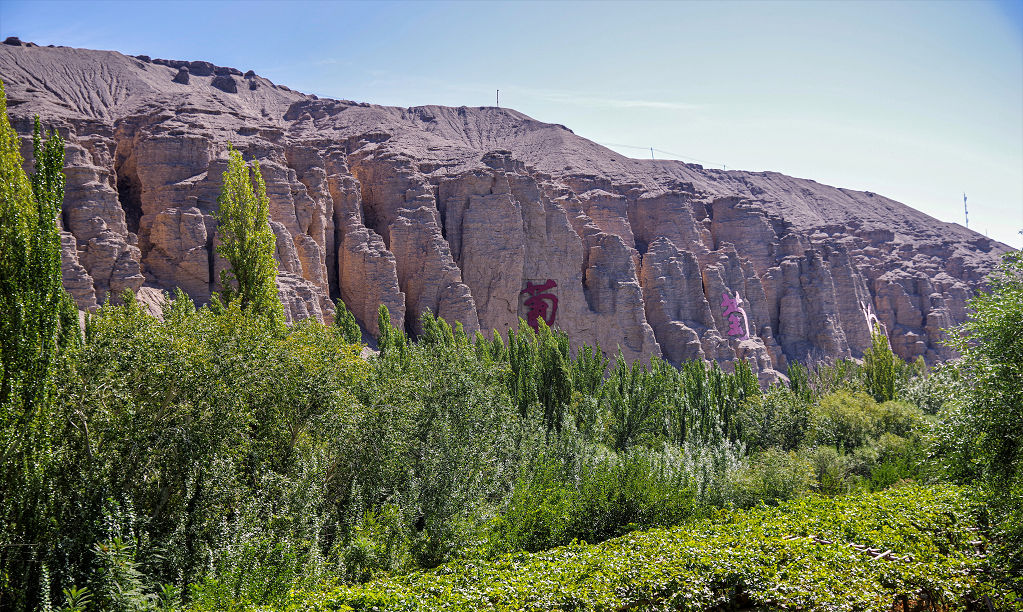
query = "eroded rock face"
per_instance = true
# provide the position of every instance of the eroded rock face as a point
(458, 210)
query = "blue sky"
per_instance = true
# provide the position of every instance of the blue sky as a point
(918, 101)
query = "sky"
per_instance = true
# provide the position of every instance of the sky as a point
(918, 101)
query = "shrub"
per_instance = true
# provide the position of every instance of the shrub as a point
(620, 493)
(845, 419)
(379, 545)
(932, 391)
(754, 559)
(776, 419)
(900, 418)
(538, 513)
(773, 476)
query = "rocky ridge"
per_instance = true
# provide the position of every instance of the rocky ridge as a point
(456, 210)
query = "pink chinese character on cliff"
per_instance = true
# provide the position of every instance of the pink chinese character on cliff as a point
(736, 326)
(540, 303)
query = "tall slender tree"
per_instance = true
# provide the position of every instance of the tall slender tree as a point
(246, 240)
(38, 331)
(881, 367)
(38, 317)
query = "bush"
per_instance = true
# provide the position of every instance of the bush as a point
(831, 471)
(933, 391)
(773, 476)
(754, 559)
(900, 418)
(620, 493)
(596, 496)
(778, 419)
(379, 545)
(846, 420)
(538, 513)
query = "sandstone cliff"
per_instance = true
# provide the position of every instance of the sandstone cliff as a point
(459, 210)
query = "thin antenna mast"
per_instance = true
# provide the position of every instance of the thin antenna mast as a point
(498, 98)
(966, 212)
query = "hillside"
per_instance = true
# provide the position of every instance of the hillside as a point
(460, 210)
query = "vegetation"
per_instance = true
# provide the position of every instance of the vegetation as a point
(982, 433)
(881, 367)
(39, 335)
(37, 316)
(217, 459)
(246, 240)
(799, 555)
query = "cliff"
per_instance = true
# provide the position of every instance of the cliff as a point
(473, 212)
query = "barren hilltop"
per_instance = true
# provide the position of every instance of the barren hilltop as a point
(472, 212)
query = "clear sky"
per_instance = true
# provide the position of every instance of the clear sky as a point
(918, 101)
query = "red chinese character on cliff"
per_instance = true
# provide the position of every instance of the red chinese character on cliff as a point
(539, 303)
(736, 326)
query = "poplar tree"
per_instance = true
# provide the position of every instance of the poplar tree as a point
(38, 318)
(881, 367)
(345, 322)
(38, 333)
(246, 240)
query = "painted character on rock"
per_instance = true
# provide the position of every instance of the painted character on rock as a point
(541, 305)
(736, 326)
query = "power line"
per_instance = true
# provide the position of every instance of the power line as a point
(673, 155)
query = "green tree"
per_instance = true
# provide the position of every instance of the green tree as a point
(990, 418)
(991, 345)
(846, 419)
(779, 418)
(246, 240)
(554, 375)
(391, 341)
(633, 397)
(38, 330)
(881, 368)
(37, 316)
(345, 321)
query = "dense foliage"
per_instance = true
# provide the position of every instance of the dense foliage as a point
(982, 434)
(215, 458)
(246, 240)
(799, 555)
(39, 336)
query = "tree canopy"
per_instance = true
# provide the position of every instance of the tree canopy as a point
(246, 240)
(37, 316)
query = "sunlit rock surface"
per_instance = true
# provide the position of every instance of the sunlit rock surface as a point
(455, 210)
